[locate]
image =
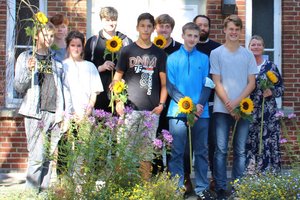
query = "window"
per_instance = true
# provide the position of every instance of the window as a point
(264, 18)
(17, 41)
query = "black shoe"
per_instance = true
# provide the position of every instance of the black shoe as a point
(221, 195)
(206, 195)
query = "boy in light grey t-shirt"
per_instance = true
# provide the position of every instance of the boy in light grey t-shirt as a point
(233, 69)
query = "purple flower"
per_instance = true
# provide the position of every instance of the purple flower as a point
(282, 141)
(167, 136)
(148, 124)
(279, 114)
(128, 110)
(292, 115)
(157, 143)
(41, 124)
(101, 114)
(92, 120)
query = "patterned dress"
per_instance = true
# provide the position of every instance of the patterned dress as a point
(270, 157)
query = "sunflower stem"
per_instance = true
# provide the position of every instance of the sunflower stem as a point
(190, 147)
(261, 126)
(233, 132)
(111, 91)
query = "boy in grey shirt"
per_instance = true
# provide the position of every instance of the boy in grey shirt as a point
(233, 69)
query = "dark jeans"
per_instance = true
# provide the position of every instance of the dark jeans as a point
(211, 145)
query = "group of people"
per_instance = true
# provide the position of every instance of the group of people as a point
(215, 76)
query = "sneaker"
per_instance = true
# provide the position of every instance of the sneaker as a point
(206, 195)
(221, 195)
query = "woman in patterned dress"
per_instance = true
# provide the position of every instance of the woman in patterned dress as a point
(269, 159)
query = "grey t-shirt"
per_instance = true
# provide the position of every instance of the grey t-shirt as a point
(234, 69)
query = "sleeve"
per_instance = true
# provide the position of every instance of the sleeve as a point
(66, 90)
(96, 80)
(214, 63)
(163, 61)
(122, 61)
(23, 77)
(252, 67)
(174, 93)
(207, 85)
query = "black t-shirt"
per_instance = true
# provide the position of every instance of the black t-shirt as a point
(174, 46)
(94, 52)
(141, 69)
(206, 48)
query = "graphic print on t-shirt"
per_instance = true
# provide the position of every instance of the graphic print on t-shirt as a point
(145, 66)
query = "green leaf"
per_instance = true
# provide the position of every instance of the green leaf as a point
(29, 31)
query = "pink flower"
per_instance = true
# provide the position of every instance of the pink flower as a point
(283, 140)
(279, 114)
(157, 143)
(292, 115)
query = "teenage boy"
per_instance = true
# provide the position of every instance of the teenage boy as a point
(61, 30)
(206, 45)
(42, 105)
(233, 69)
(164, 25)
(95, 49)
(187, 73)
(142, 66)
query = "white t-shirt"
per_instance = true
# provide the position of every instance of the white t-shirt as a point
(81, 81)
(234, 69)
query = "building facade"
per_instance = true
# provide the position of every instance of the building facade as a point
(278, 21)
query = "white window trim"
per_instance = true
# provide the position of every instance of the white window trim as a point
(11, 102)
(277, 35)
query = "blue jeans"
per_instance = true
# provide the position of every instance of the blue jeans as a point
(199, 131)
(223, 122)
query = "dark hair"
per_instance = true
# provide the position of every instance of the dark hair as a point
(165, 19)
(59, 19)
(145, 16)
(190, 26)
(73, 35)
(202, 16)
(234, 19)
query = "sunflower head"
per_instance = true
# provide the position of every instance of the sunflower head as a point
(273, 78)
(160, 41)
(114, 44)
(185, 105)
(246, 106)
(118, 87)
(41, 17)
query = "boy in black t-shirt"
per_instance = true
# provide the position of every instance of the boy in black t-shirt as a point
(142, 66)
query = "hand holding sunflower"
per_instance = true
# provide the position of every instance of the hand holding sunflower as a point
(119, 93)
(266, 84)
(244, 111)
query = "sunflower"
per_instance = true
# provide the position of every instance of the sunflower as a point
(246, 106)
(185, 105)
(118, 87)
(114, 44)
(41, 17)
(160, 41)
(273, 78)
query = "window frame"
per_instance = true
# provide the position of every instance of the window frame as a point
(277, 35)
(10, 101)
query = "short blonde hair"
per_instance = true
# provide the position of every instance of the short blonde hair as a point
(108, 13)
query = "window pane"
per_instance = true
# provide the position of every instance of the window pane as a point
(263, 20)
(23, 13)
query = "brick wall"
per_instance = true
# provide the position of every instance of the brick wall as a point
(13, 152)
